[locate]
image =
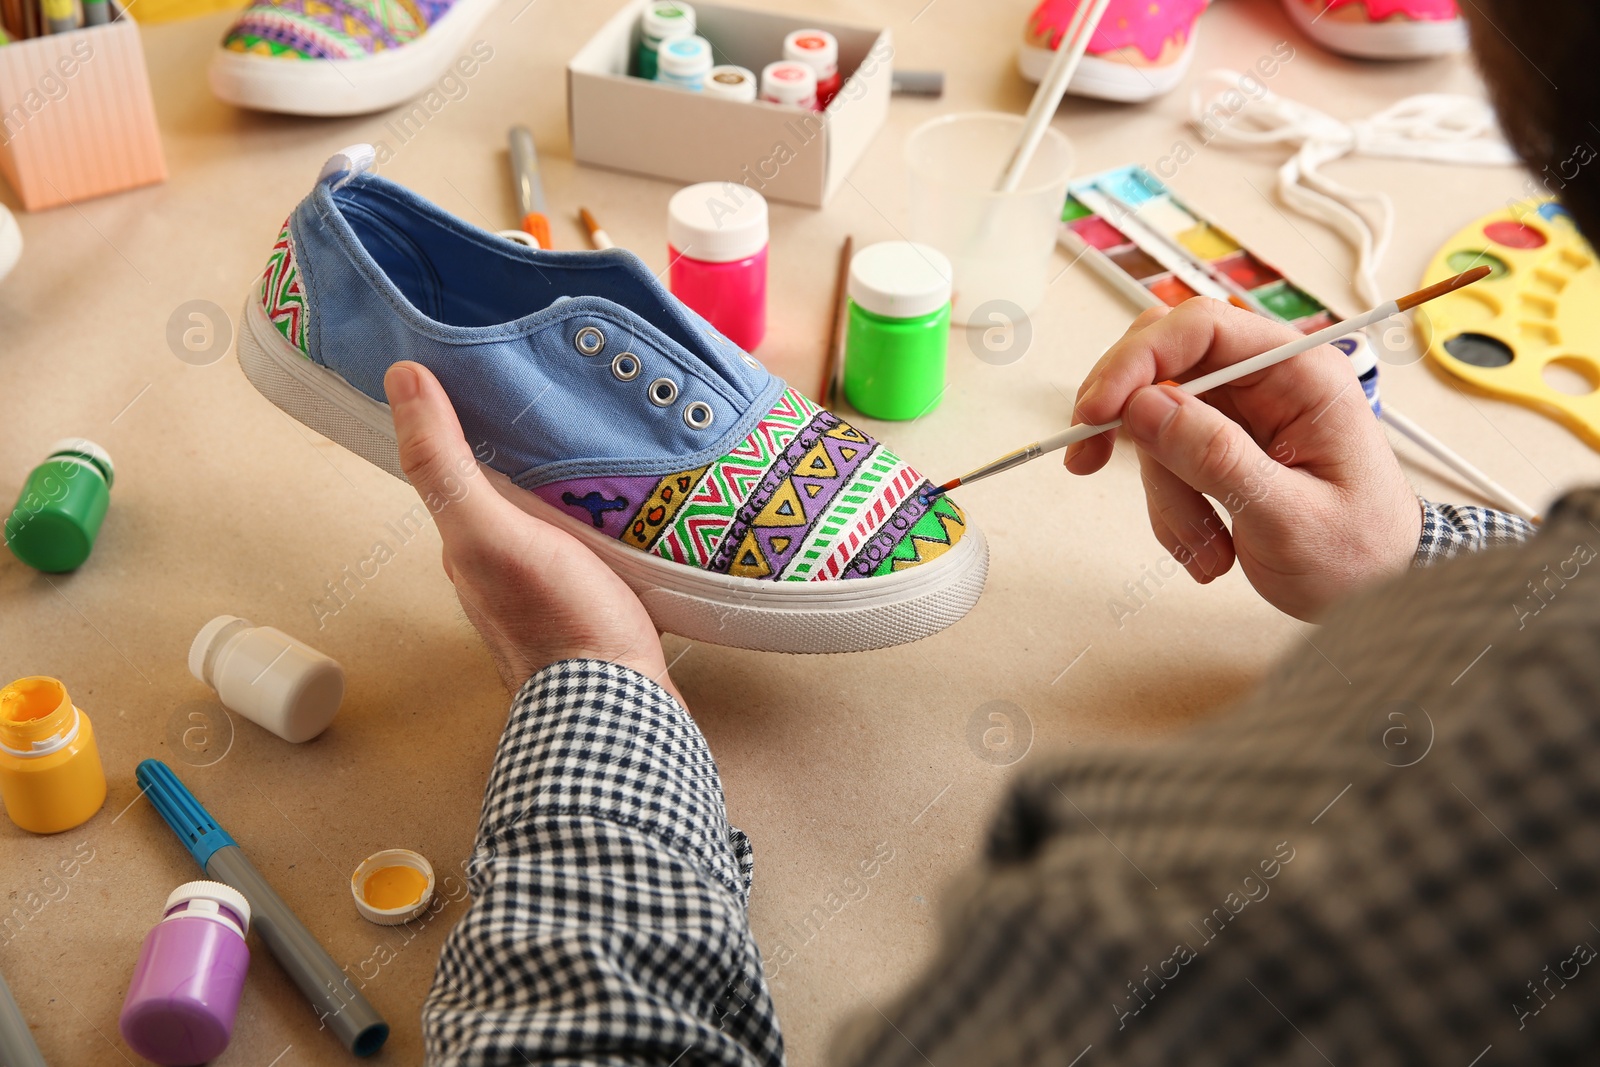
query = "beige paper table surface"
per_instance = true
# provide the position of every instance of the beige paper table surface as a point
(222, 504)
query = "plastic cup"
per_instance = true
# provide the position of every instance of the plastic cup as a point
(999, 244)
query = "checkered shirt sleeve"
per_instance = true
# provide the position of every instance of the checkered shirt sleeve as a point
(1388, 855)
(609, 920)
(1449, 530)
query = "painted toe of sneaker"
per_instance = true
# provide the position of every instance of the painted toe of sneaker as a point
(1139, 51)
(1382, 29)
(807, 535)
(372, 54)
(804, 497)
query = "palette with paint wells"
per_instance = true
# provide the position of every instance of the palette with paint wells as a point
(1530, 332)
(1128, 226)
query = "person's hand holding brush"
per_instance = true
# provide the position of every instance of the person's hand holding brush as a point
(1317, 500)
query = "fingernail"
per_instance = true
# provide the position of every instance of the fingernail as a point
(1088, 398)
(1149, 412)
(401, 384)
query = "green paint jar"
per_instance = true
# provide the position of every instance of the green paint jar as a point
(662, 21)
(898, 336)
(63, 502)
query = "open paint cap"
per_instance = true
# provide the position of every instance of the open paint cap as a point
(392, 886)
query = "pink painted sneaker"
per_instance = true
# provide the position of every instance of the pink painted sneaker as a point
(1140, 50)
(1382, 29)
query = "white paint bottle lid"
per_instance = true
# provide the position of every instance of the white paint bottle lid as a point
(788, 82)
(666, 19)
(277, 682)
(731, 82)
(717, 222)
(817, 49)
(900, 279)
(684, 61)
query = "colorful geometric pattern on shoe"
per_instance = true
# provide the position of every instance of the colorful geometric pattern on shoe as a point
(804, 496)
(331, 29)
(281, 295)
(1159, 29)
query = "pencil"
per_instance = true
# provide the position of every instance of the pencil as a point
(831, 360)
(1029, 452)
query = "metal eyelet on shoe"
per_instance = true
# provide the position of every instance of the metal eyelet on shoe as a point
(626, 367)
(750, 360)
(698, 415)
(590, 341)
(663, 391)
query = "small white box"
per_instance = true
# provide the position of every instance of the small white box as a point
(783, 153)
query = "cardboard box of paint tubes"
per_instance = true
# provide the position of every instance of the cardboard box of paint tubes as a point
(76, 115)
(784, 153)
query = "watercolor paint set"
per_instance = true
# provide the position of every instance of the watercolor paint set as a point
(1128, 226)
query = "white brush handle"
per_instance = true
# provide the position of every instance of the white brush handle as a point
(1047, 98)
(1238, 370)
(1442, 452)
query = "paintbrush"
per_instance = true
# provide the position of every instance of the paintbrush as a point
(1228, 374)
(597, 236)
(1052, 87)
(830, 365)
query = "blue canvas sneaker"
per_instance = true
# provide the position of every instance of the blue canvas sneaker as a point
(741, 512)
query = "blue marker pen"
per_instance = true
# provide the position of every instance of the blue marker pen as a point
(348, 1013)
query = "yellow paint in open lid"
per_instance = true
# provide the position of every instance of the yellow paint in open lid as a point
(392, 886)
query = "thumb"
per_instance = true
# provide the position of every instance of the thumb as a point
(436, 459)
(1198, 443)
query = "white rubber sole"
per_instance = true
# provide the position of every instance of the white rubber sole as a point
(852, 615)
(1390, 39)
(1111, 79)
(345, 86)
(10, 241)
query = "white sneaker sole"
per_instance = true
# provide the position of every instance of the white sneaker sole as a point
(1111, 79)
(345, 86)
(851, 615)
(1390, 39)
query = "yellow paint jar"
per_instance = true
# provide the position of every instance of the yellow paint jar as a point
(50, 774)
(392, 886)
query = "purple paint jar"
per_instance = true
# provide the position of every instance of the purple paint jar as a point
(185, 990)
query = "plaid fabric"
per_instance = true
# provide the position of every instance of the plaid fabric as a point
(608, 923)
(1449, 530)
(1389, 854)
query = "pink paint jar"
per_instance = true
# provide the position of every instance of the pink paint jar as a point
(717, 241)
(790, 83)
(819, 50)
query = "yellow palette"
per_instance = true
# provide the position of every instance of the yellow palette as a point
(1530, 332)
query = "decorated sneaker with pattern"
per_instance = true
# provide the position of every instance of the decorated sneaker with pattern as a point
(1382, 29)
(740, 511)
(1141, 49)
(345, 57)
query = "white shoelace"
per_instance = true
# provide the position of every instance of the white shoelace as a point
(1432, 127)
